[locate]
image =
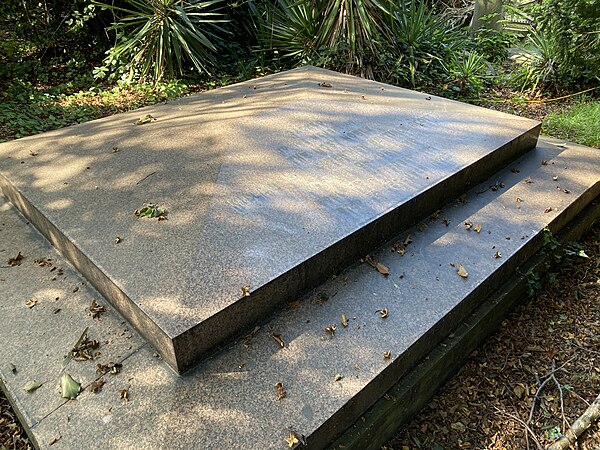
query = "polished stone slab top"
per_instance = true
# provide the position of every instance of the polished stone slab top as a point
(229, 401)
(274, 184)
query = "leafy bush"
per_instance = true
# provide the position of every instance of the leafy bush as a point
(155, 38)
(467, 73)
(421, 43)
(573, 26)
(342, 32)
(538, 63)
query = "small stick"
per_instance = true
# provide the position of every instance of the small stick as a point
(591, 414)
(147, 176)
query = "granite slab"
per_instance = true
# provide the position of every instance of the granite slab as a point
(44, 309)
(275, 184)
(230, 399)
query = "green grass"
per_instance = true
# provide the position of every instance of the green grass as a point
(580, 124)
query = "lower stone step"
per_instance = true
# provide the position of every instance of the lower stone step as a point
(334, 352)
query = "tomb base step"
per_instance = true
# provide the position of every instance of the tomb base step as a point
(330, 377)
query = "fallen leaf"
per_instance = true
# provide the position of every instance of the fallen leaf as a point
(566, 191)
(32, 153)
(382, 269)
(277, 338)
(331, 329)
(528, 180)
(112, 368)
(519, 390)
(31, 303)
(293, 304)
(544, 162)
(398, 247)
(43, 262)
(246, 290)
(446, 222)
(337, 377)
(549, 209)
(16, 261)
(458, 426)
(322, 298)
(325, 85)
(452, 264)
(344, 320)
(124, 394)
(117, 239)
(477, 228)
(291, 440)
(96, 386)
(387, 355)
(383, 313)
(69, 387)
(497, 255)
(31, 386)
(150, 210)
(461, 271)
(279, 389)
(96, 310)
(115, 149)
(146, 119)
(84, 350)
(468, 225)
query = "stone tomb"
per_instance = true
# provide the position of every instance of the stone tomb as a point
(275, 184)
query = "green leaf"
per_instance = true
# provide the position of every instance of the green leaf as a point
(31, 386)
(69, 387)
(582, 254)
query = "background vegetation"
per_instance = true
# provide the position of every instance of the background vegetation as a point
(68, 61)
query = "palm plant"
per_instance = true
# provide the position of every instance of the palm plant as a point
(157, 37)
(307, 29)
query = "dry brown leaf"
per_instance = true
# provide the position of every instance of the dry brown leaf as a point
(461, 271)
(387, 355)
(291, 440)
(112, 368)
(96, 386)
(468, 225)
(382, 269)
(337, 377)
(528, 180)
(549, 209)
(16, 261)
(398, 247)
(477, 228)
(277, 338)
(96, 310)
(383, 313)
(124, 394)
(325, 85)
(279, 389)
(331, 329)
(246, 290)
(497, 255)
(31, 303)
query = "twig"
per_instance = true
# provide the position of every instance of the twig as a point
(591, 414)
(526, 426)
(147, 176)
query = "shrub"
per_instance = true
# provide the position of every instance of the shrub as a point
(156, 38)
(574, 28)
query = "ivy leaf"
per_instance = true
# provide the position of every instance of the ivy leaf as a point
(31, 386)
(69, 387)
